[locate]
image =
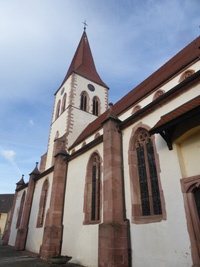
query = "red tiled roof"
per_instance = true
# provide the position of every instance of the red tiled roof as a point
(83, 63)
(174, 65)
(177, 112)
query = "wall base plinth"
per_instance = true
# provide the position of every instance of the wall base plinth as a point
(6, 237)
(51, 242)
(21, 239)
(113, 246)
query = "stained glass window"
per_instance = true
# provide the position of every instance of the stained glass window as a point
(148, 179)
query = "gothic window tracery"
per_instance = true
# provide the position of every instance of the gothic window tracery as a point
(146, 193)
(148, 180)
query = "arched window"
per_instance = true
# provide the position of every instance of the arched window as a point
(92, 199)
(64, 102)
(158, 94)
(148, 179)
(186, 74)
(145, 183)
(84, 100)
(95, 108)
(21, 210)
(58, 110)
(136, 108)
(42, 204)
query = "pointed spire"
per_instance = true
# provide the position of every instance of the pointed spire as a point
(35, 171)
(21, 182)
(111, 114)
(83, 63)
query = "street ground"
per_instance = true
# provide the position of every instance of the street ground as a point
(13, 258)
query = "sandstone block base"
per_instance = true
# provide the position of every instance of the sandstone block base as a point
(21, 238)
(51, 242)
(113, 248)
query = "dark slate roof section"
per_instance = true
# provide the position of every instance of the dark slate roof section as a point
(168, 70)
(192, 104)
(83, 63)
(6, 202)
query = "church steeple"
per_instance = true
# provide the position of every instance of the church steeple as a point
(80, 99)
(83, 63)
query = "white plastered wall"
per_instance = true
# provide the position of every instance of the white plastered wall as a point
(79, 241)
(35, 235)
(13, 232)
(165, 243)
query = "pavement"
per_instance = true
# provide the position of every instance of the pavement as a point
(13, 258)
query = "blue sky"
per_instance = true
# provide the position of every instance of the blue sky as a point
(129, 39)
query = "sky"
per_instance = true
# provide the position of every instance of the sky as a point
(129, 39)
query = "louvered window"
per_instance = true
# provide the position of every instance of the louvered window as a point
(84, 101)
(95, 106)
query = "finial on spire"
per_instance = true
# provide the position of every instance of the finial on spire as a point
(85, 24)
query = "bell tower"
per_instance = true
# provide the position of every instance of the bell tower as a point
(80, 99)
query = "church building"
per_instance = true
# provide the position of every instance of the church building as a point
(119, 184)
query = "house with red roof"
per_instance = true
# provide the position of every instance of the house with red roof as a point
(119, 184)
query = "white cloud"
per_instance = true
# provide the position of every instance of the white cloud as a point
(31, 122)
(8, 154)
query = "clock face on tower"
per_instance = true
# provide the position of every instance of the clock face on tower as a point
(91, 87)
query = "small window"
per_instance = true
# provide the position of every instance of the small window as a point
(158, 94)
(136, 108)
(186, 74)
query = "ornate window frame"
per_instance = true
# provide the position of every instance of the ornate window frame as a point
(136, 206)
(93, 190)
